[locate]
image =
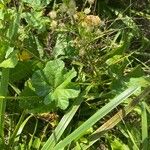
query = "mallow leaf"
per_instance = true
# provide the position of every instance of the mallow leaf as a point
(54, 84)
(39, 82)
(53, 72)
(32, 102)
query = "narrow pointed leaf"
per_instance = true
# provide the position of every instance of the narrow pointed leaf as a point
(96, 117)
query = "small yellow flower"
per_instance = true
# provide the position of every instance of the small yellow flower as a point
(87, 21)
(24, 55)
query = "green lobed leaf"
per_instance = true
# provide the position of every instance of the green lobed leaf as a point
(32, 102)
(54, 84)
(53, 72)
(22, 71)
(38, 80)
(64, 122)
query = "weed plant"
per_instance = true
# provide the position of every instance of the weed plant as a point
(74, 74)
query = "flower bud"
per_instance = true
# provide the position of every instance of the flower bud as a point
(53, 14)
(92, 20)
(87, 11)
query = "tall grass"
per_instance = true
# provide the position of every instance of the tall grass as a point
(66, 67)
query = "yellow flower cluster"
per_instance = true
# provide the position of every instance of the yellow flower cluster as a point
(24, 56)
(92, 20)
(87, 20)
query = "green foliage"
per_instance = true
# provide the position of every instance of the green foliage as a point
(37, 4)
(77, 61)
(54, 84)
(11, 62)
(116, 144)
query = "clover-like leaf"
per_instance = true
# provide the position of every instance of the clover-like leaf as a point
(54, 84)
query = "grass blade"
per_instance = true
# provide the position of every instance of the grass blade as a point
(19, 128)
(144, 127)
(32, 136)
(3, 92)
(94, 137)
(53, 139)
(13, 136)
(96, 117)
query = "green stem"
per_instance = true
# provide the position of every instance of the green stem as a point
(12, 138)
(3, 92)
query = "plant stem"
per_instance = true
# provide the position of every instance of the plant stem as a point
(12, 138)
(3, 92)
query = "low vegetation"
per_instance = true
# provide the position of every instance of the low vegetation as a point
(74, 74)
